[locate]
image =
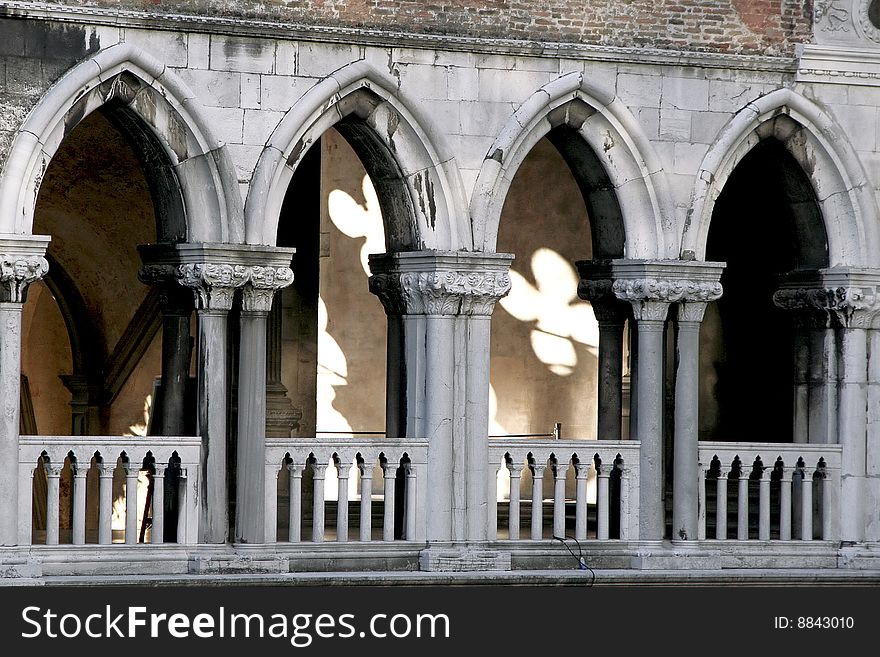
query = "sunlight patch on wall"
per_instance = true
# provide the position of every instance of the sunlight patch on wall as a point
(359, 221)
(559, 317)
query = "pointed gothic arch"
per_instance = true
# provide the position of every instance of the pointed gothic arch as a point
(419, 191)
(619, 174)
(190, 174)
(821, 148)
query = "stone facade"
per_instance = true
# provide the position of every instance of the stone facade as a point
(665, 116)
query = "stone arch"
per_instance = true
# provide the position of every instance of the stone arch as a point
(619, 174)
(190, 174)
(826, 156)
(419, 190)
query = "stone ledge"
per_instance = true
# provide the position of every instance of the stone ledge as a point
(237, 564)
(463, 559)
(669, 556)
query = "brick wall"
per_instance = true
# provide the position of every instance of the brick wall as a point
(769, 27)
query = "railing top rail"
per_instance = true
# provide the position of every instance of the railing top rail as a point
(188, 448)
(769, 452)
(122, 441)
(345, 441)
(497, 444)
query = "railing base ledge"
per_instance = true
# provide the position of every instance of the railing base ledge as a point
(675, 555)
(463, 558)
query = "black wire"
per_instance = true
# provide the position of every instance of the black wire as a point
(582, 563)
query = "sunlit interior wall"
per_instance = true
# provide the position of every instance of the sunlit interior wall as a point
(544, 338)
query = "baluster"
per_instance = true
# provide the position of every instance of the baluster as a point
(105, 502)
(389, 470)
(764, 505)
(626, 519)
(366, 470)
(319, 471)
(410, 502)
(602, 503)
(182, 503)
(721, 505)
(294, 511)
(806, 505)
(785, 505)
(559, 473)
(53, 475)
(514, 506)
(79, 501)
(342, 502)
(131, 503)
(582, 474)
(537, 502)
(825, 483)
(701, 502)
(157, 531)
(742, 524)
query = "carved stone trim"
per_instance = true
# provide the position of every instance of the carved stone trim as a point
(261, 285)
(17, 271)
(650, 297)
(440, 292)
(214, 284)
(691, 311)
(854, 307)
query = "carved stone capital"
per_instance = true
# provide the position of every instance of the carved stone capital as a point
(691, 311)
(440, 292)
(853, 307)
(213, 285)
(17, 271)
(261, 285)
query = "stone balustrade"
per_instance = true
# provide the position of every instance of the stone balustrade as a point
(103, 459)
(783, 491)
(401, 462)
(602, 461)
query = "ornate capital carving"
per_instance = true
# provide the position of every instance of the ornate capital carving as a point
(17, 271)
(440, 292)
(691, 311)
(261, 285)
(213, 285)
(650, 297)
(854, 307)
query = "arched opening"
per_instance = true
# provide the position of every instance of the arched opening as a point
(332, 347)
(560, 208)
(96, 203)
(766, 223)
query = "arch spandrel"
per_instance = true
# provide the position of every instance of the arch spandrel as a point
(160, 115)
(418, 184)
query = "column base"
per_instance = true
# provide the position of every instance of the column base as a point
(674, 555)
(462, 558)
(863, 556)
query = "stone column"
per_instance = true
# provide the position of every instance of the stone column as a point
(854, 303)
(439, 374)
(651, 286)
(685, 495)
(257, 294)
(22, 262)
(843, 354)
(213, 286)
(596, 286)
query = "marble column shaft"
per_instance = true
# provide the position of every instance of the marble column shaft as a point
(21, 263)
